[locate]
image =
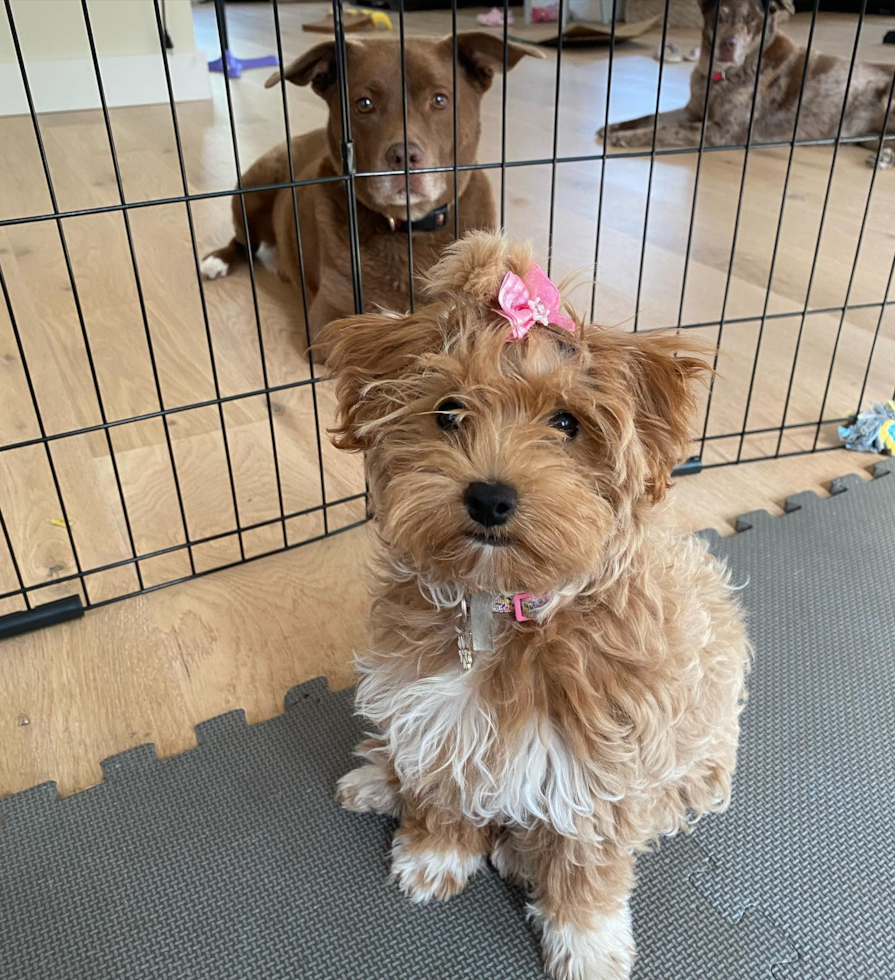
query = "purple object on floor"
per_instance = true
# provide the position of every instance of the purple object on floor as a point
(236, 66)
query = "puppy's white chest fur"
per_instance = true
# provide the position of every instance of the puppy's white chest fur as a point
(446, 742)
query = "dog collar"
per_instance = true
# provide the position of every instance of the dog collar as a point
(429, 222)
(474, 629)
(719, 76)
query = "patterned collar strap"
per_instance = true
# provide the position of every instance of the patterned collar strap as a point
(474, 632)
(521, 604)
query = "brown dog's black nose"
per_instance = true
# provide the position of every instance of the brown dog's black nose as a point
(490, 504)
(394, 155)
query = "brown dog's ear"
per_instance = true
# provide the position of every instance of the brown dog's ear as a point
(481, 55)
(786, 5)
(316, 68)
(665, 370)
(369, 354)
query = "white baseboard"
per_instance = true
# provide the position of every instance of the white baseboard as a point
(63, 86)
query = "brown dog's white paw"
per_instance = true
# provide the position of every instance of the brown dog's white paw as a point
(213, 267)
(369, 789)
(427, 873)
(603, 952)
(886, 159)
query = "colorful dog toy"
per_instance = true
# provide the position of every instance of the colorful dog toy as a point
(872, 431)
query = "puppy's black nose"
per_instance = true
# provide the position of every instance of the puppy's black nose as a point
(394, 155)
(490, 504)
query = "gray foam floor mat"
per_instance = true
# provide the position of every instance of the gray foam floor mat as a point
(232, 861)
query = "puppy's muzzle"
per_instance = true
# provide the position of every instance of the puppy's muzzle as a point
(490, 504)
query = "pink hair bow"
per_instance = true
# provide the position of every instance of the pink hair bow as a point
(533, 300)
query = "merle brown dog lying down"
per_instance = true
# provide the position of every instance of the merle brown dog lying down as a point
(782, 67)
(377, 129)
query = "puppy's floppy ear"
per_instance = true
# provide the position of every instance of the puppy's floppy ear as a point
(369, 354)
(480, 55)
(316, 68)
(664, 372)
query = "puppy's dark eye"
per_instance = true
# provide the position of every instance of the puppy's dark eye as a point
(364, 105)
(566, 423)
(446, 414)
(440, 100)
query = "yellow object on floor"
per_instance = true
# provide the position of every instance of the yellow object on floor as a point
(381, 20)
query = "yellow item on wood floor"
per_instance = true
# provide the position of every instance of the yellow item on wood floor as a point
(381, 20)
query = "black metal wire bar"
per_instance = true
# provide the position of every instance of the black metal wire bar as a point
(495, 165)
(503, 117)
(76, 297)
(250, 247)
(761, 459)
(349, 165)
(42, 428)
(774, 428)
(175, 123)
(141, 300)
(593, 289)
(406, 155)
(731, 321)
(301, 268)
(454, 55)
(697, 175)
(172, 549)
(562, 27)
(778, 234)
(854, 267)
(876, 333)
(173, 199)
(313, 381)
(232, 564)
(15, 564)
(736, 224)
(207, 403)
(652, 167)
(820, 230)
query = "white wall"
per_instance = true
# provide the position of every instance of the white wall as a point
(57, 54)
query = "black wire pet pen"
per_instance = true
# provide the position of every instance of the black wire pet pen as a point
(73, 583)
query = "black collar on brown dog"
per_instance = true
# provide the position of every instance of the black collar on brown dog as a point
(430, 222)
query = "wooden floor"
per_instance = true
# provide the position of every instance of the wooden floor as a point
(149, 668)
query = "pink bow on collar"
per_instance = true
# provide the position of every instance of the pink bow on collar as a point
(527, 302)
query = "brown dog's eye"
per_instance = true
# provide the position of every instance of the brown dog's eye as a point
(440, 100)
(446, 414)
(566, 423)
(364, 105)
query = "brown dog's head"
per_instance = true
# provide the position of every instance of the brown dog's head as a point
(377, 110)
(740, 24)
(507, 466)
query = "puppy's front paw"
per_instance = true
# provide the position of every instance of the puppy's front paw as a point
(603, 952)
(369, 789)
(886, 159)
(424, 873)
(507, 861)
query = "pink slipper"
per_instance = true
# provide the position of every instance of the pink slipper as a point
(494, 18)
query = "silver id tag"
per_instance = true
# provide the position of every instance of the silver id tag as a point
(480, 622)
